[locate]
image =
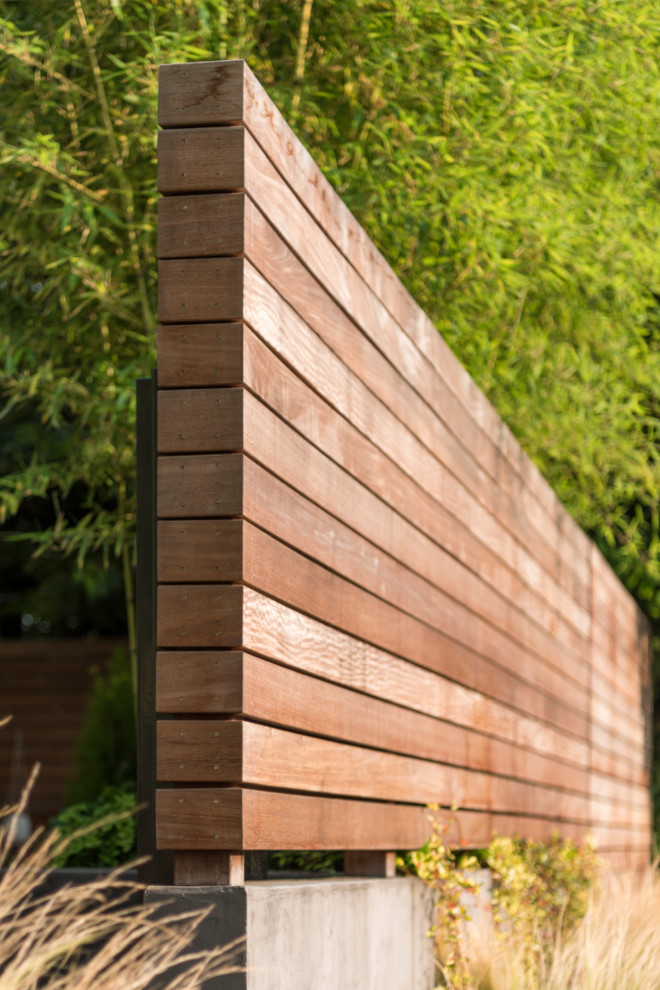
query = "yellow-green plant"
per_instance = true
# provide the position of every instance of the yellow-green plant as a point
(448, 873)
(540, 891)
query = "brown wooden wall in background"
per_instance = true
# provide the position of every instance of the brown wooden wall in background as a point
(369, 599)
(45, 686)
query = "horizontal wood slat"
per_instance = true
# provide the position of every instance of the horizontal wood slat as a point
(245, 818)
(348, 447)
(258, 755)
(183, 97)
(271, 255)
(217, 552)
(368, 597)
(211, 682)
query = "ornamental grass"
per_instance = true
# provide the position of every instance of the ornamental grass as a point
(615, 946)
(90, 936)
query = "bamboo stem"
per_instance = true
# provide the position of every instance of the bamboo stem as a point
(302, 48)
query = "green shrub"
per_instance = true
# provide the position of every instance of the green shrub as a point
(106, 748)
(541, 890)
(447, 872)
(103, 845)
(307, 860)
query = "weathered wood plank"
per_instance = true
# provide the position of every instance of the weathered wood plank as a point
(289, 336)
(215, 818)
(185, 98)
(202, 485)
(200, 290)
(200, 354)
(274, 630)
(295, 520)
(188, 159)
(194, 550)
(191, 420)
(199, 615)
(200, 819)
(388, 535)
(294, 400)
(278, 571)
(308, 241)
(201, 226)
(235, 752)
(292, 279)
(214, 682)
(210, 818)
(257, 376)
(199, 681)
(300, 172)
(204, 408)
(200, 751)
(208, 868)
(200, 551)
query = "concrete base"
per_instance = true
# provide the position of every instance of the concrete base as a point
(328, 934)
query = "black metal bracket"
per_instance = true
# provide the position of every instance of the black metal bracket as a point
(158, 867)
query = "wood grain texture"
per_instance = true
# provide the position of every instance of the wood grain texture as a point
(299, 170)
(208, 868)
(274, 630)
(307, 240)
(302, 406)
(188, 160)
(237, 752)
(290, 337)
(271, 255)
(278, 571)
(217, 682)
(200, 751)
(205, 485)
(194, 550)
(210, 818)
(199, 615)
(200, 819)
(191, 420)
(208, 406)
(200, 354)
(200, 290)
(194, 94)
(430, 585)
(301, 173)
(363, 578)
(200, 226)
(204, 681)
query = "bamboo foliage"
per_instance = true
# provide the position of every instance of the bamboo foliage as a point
(502, 155)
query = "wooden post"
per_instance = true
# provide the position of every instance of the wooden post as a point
(208, 867)
(369, 863)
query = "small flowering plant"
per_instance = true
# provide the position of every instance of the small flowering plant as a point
(540, 891)
(448, 873)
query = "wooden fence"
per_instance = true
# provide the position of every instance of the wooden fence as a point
(45, 685)
(368, 597)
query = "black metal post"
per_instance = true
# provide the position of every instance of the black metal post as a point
(158, 868)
